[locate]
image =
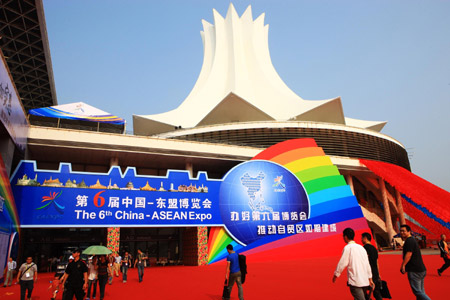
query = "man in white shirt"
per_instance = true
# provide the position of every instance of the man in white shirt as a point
(9, 273)
(354, 258)
(117, 263)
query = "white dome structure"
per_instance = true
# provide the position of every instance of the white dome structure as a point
(238, 83)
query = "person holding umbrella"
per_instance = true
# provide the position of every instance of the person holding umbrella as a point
(76, 275)
(102, 266)
(102, 274)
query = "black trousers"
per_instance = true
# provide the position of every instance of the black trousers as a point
(102, 279)
(24, 286)
(445, 265)
(377, 291)
(76, 291)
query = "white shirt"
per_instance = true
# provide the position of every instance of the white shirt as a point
(12, 265)
(92, 272)
(118, 259)
(354, 258)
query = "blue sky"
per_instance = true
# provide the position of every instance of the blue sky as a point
(387, 60)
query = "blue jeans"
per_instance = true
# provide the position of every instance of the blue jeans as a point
(140, 271)
(416, 281)
(94, 292)
(124, 272)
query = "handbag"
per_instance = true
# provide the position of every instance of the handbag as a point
(226, 292)
(385, 290)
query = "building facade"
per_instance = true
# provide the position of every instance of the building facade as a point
(238, 107)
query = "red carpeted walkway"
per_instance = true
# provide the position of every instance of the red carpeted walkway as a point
(301, 279)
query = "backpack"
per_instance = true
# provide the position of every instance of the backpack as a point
(243, 266)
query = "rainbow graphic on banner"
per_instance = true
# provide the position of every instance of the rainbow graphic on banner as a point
(7, 195)
(331, 201)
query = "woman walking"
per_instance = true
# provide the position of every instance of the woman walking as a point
(102, 275)
(92, 277)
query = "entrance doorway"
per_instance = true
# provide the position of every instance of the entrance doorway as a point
(45, 244)
(162, 246)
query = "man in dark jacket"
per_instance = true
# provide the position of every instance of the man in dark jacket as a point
(76, 277)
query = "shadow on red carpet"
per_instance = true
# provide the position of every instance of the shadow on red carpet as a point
(300, 279)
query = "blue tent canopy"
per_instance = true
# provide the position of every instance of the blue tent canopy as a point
(77, 111)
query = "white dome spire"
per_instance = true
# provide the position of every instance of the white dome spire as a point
(238, 83)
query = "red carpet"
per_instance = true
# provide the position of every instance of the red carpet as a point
(301, 279)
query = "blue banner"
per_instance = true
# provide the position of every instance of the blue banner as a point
(256, 199)
(77, 199)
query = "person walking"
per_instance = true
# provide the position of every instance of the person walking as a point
(354, 258)
(27, 276)
(102, 275)
(140, 264)
(443, 247)
(125, 265)
(76, 275)
(92, 277)
(110, 260)
(372, 254)
(413, 264)
(55, 285)
(117, 262)
(11, 266)
(233, 272)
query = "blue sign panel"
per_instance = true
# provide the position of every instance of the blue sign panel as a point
(277, 199)
(261, 195)
(255, 199)
(64, 198)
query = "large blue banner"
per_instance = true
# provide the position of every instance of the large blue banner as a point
(258, 201)
(273, 198)
(65, 198)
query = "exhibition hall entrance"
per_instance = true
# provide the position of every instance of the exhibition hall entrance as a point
(163, 246)
(46, 245)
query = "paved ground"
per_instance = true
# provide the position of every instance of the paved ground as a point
(307, 279)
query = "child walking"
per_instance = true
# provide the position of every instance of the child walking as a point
(54, 286)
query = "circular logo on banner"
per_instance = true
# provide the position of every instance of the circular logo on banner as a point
(261, 198)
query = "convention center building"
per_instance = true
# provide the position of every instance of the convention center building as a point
(238, 107)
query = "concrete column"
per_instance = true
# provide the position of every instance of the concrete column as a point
(400, 207)
(190, 168)
(113, 239)
(114, 161)
(387, 210)
(349, 180)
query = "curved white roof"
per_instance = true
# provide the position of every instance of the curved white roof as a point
(276, 124)
(238, 83)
